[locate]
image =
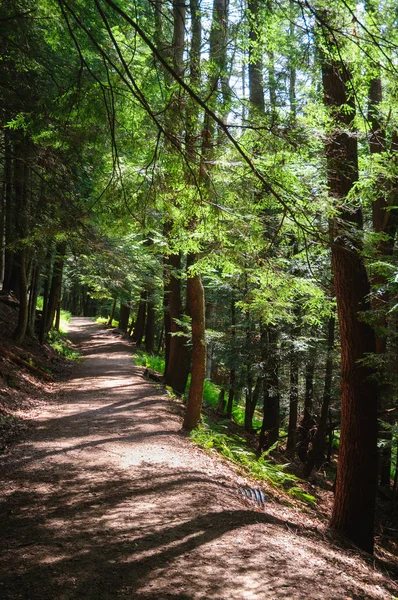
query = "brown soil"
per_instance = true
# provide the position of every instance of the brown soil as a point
(106, 498)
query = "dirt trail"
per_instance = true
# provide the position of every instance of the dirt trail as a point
(107, 499)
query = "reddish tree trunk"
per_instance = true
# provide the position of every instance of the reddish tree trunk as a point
(353, 511)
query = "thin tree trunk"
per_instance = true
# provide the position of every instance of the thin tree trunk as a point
(139, 327)
(271, 399)
(56, 285)
(150, 324)
(307, 422)
(112, 314)
(21, 184)
(232, 372)
(293, 404)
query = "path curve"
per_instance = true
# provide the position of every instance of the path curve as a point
(107, 499)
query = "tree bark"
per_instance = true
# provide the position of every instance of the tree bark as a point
(293, 404)
(269, 433)
(124, 317)
(316, 454)
(256, 65)
(112, 313)
(150, 324)
(196, 301)
(354, 506)
(139, 328)
(56, 285)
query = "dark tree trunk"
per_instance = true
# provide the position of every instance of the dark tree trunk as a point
(56, 285)
(307, 423)
(316, 454)
(124, 317)
(112, 313)
(221, 402)
(354, 506)
(232, 373)
(178, 362)
(256, 66)
(21, 184)
(9, 213)
(33, 295)
(271, 400)
(46, 289)
(139, 327)
(293, 404)
(150, 325)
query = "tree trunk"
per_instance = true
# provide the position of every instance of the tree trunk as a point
(307, 423)
(56, 285)
(124, 317)
(9, 213)
(112, 314)
(354, 506)
(271, 409)
(139, 328)
(293, 404)
(150, 324)
(256, 66)
(316, 454)
(196, 302)
(21, 184)
(232, 372)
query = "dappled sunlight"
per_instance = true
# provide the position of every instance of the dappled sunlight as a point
(108, 499)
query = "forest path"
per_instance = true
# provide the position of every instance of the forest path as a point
(105, 498)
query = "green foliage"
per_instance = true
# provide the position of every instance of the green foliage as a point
(210, 435)
(150, 361)
(58, 341)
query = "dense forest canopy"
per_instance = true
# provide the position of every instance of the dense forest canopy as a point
(221, 177)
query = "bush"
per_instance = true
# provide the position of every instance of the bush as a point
(216, 436)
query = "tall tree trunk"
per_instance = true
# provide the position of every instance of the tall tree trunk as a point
(271, 400)
(305, 430)
(354, 506)
(21, 184)
(124, 316)
(9, 213)
(56, 285)
(139, 327)
(316, 454)
(112, 313)
(256, 65)
(232, 372)
(196, 301)
(293, 404)
(150, 324)
(33, 295)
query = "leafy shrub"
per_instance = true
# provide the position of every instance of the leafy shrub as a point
(61, 345)
(150, 361)
(235, 448)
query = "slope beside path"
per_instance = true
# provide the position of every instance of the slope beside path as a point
(105, 498)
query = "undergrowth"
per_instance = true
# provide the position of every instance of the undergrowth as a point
(211, 435)
(104, 321)
(150, 361)
(61, 345)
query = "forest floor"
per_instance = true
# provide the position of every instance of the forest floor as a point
(104, 497)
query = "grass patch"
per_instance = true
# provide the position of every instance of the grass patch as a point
(150, 361)
(216, 436)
